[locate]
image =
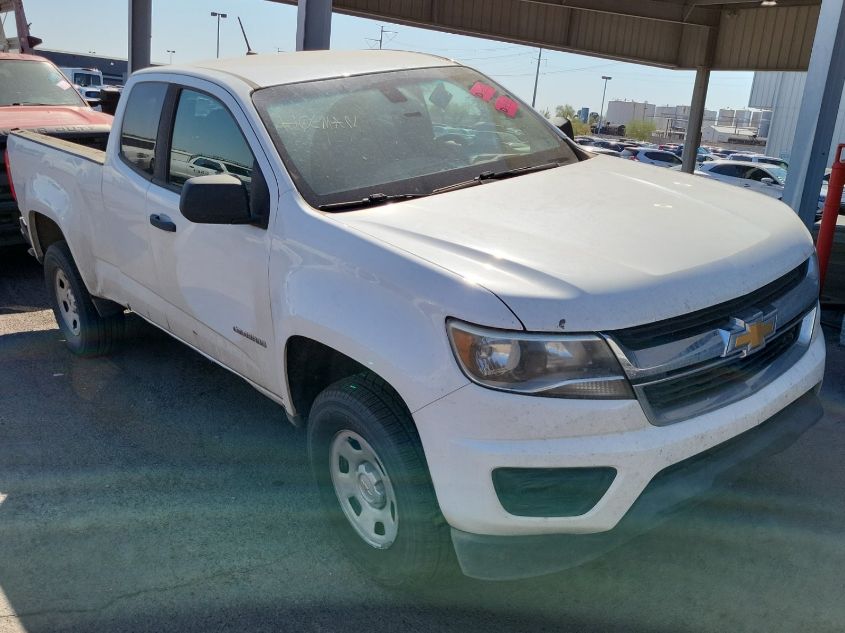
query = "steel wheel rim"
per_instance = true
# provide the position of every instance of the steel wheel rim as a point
(67, 302)
(364, 489)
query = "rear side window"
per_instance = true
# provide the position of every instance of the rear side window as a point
(140, 125)
(205, 138)
(663, 157)
(734, 171)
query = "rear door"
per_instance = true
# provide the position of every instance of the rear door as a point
(125, 261)
(213, 277)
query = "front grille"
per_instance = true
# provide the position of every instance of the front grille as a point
(681, 368)
(672, 399)
(677, 328)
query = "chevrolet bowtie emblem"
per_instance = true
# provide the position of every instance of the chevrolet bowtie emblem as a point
(748, 336)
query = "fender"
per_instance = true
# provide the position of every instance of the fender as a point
(380, 306)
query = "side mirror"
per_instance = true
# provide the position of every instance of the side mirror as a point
(215, 199)
(767, 181)
(108, 100)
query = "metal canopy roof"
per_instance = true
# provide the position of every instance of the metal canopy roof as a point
(681, 34)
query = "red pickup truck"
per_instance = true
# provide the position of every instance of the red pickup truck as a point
(35, 95)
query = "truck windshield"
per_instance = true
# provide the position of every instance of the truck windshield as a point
(402, 133)
(26, 82)
(86, 80)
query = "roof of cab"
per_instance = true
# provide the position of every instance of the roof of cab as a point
(260, 71)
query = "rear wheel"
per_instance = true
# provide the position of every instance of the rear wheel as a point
(374, 483)
(85, 331)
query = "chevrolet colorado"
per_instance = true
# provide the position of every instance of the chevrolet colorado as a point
(500, 346)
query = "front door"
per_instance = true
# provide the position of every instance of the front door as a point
(214, 277)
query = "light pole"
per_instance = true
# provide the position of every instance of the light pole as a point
(603, 93)
(217, 15)
(171, 55)
(536, 77)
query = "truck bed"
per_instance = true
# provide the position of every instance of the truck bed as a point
(76, 148)
(88, 144)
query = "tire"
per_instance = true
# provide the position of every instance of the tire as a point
(392, 486)
(85, 331)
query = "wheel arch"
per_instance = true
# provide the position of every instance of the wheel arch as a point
(311, 366)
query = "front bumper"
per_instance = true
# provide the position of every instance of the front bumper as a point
(509, 557)
(473, 431)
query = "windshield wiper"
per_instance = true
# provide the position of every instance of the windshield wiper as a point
(497, 175)
(370, 201)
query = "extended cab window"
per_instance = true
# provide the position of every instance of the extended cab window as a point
(140, 125)
(206, 141)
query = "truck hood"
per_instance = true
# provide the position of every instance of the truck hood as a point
(602, 244)
(51, 117)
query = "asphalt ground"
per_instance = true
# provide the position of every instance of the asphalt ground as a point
(154, 491)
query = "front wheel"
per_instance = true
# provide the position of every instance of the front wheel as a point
(86, 332)
(374, 483)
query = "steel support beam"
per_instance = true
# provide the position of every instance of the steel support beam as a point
(140, 33)
(692, 139)
(817, 115)
(313, 25)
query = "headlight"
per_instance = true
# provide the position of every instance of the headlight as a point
(562, 366)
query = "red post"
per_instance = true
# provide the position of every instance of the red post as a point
(824, 241)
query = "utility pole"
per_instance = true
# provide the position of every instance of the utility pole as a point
(217, 15)
(536, 77)
(380, 39)
(604, 92)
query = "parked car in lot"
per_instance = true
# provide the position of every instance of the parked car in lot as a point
(87, 81)
(35, 95)
(604, 151)
(823, 193)
(521, 357)
(761, 177)
(657, 157)
(759, 158)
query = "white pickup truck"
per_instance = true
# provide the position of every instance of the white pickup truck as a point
(509, 350)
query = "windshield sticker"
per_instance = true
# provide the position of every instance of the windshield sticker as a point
(63, 84)
(393, 94)
(482, 91)
(440, 96)
(317, 122)
(507, 105)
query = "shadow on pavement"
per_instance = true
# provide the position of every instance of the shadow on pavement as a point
(154, 491)
(21, 282)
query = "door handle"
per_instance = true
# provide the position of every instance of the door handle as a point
(162, 222)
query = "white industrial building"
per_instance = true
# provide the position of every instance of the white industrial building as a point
(782, 92)
(672, 120)
(623, 112)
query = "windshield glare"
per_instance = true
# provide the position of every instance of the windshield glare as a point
(402, 132)
(24, 81)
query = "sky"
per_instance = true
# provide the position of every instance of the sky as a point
(187, 27)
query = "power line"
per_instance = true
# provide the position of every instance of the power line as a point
(380, 39)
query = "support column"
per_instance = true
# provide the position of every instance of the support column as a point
(140, 33)
(313, 25)
(817, 115)
(692, 139)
